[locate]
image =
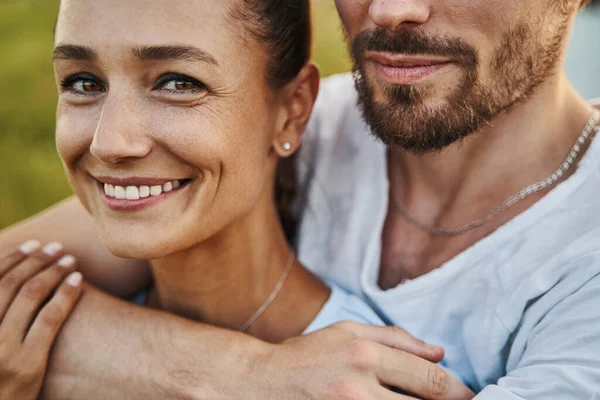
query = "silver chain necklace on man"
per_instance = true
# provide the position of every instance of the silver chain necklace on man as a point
(272, 296)
(522, 194)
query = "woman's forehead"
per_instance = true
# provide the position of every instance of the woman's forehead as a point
(150, 22)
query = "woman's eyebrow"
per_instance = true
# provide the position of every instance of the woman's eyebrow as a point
(179, 53)
(73, 52)
(143, 53)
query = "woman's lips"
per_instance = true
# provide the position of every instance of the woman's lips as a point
(132, 198)
(405, 70)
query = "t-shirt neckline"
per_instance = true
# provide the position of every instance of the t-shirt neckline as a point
(469, 257)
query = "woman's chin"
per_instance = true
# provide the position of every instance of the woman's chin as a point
(136, 250)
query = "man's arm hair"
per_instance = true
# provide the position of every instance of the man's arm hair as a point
(69, 223)
(111, 349)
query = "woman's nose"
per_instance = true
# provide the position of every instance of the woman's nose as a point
(392, 15)
(119, 135)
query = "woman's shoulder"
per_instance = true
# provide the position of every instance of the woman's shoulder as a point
(344, 306)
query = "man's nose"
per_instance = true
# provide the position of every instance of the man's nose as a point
(120, 135)
(392, 15)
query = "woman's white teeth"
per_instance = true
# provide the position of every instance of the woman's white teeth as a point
(132, 192)
(156, 190)
(144, 191)
(120, 192)
(141, 192)
(109, 190)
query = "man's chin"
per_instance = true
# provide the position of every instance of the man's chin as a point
(418, 129)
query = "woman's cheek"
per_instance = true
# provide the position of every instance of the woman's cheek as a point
(74, 135)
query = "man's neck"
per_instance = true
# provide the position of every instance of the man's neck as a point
(224, 280)
(467, 180)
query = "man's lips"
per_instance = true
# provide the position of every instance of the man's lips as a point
(400, 69)
(405, 61)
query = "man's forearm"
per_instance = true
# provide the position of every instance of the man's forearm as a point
(113, 350)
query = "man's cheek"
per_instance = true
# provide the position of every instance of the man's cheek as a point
(352, 14)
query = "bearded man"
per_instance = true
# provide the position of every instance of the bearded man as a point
(473, 222)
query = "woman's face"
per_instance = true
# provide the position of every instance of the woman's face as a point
(164, 123)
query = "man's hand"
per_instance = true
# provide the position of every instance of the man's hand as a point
(354, 361)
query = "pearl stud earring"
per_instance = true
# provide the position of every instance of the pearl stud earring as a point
(287, 146)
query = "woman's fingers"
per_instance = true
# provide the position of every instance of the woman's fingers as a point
(27, 326)
(396, 338)
(12, 281)
(419, 377)
(50, 319)
(8, 261)
(32, 296)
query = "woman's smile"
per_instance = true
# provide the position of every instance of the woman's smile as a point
(137, 193)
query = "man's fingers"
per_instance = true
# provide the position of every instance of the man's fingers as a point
(51, 318)
(14, 279)
(382, 393)
(32, 296)
(396, 338)
(419, 377)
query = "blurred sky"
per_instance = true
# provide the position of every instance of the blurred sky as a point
(583, 57)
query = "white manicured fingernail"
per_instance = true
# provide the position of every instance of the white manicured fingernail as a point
(75, 279)
(66, 261)
(52, 248)
(30, 247)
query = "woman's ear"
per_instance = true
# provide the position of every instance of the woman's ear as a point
(298, 99)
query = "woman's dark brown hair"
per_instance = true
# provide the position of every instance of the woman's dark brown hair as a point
(284, 26)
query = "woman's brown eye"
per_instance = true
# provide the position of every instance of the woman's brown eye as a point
(90, 86)
(84, 85)
(179, 84)
(183, 85)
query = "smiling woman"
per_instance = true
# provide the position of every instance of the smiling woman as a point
(26, 142)
(161, 108)
(171, 131)
(172, 145)
(171, 124)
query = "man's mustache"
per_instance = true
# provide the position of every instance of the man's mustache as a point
(412, 42)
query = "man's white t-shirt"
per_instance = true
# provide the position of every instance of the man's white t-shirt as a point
(518, 313)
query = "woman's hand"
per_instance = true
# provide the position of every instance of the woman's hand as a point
(38, 290)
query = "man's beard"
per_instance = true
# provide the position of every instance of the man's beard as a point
(519, 66)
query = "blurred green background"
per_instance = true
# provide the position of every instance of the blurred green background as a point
(31, 175)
